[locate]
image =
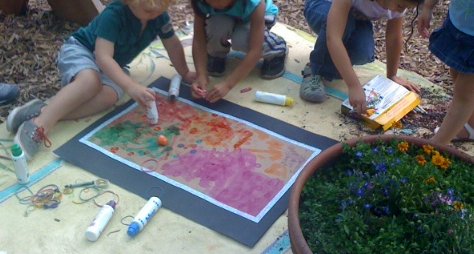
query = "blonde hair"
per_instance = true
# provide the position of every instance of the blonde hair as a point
(152, 3)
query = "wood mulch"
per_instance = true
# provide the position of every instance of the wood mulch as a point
(29, 46)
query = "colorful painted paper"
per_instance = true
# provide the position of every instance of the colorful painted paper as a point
(227, 161)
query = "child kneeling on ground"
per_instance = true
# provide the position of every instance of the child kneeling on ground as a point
(346, 38)
(246, 24)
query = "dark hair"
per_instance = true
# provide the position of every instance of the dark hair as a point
(412, 23)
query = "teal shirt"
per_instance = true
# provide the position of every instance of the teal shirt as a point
(118, 25)
(461, 14)
(241, 10)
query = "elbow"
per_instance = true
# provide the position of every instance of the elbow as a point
(99, 59)
(331, 41)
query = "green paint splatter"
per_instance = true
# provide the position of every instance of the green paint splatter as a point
(122, 133)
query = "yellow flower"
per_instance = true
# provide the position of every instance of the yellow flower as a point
(430, 180)
(437, 160)
(428, 149)
(458, 206)
(445, 165)
(421, 160)
(403, 147)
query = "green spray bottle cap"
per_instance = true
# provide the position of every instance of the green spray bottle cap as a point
(16, 150)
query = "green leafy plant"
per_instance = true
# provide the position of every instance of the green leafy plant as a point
(390, 197)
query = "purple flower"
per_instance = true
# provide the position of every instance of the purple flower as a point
(404, 180)
(359, 154)
(367, 206)
(451, 193)
(368, 186)
(390, 150)
(350, 172)
(360, 192)
(381, 168)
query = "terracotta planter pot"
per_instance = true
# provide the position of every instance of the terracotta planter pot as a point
(15, 7)
(298, 242)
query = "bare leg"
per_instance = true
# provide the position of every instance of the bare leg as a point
(105, 99)
(85, 86)
(460, 111)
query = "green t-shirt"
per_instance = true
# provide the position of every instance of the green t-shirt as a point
(117, 24)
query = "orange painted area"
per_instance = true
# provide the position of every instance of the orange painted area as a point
(247, 135)
(276, 170)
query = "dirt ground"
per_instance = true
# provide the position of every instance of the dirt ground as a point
(29, 46)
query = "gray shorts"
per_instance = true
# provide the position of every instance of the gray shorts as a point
(75, 57)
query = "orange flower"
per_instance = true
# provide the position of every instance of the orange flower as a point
(458, 206)
(431, 180)
(421, 160)
(403, 147)
(440, 161)
(428, 149)
(445, 165)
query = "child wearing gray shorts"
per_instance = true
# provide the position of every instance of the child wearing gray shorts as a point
(91, 63)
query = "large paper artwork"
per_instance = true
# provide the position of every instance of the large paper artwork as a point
(227, 161)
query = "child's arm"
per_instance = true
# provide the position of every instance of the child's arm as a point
(257, 29)
(104, 51)
(199, 86)
(394, 45)
(336, 24)
(425, 17)
(176, 53)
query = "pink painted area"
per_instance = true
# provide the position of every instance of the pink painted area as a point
(229, 161)
(231, 177)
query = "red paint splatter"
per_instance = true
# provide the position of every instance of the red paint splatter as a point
(247, 135)
(193, 131)
(247, 89)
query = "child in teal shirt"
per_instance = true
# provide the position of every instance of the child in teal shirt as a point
(242, 25)
(91, 63)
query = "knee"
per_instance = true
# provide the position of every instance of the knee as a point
(361, 55)
(89, 80)
(109, 97)
(218, 27)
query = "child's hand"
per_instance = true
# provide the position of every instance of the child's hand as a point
(199, 89)
(424, 23)
(190, 77)
(220, 90)
(357, 99)
(407, 84)
(141, 95)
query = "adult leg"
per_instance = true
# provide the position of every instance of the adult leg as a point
(460, 111)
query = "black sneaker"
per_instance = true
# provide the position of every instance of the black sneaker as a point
(215, 66)
(274, 68)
